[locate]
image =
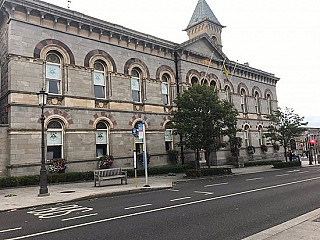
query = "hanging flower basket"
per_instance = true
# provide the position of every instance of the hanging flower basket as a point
(57, 165)
(264, 148)
(105, 161)
(251, 150)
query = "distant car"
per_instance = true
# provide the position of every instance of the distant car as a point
(296, 158)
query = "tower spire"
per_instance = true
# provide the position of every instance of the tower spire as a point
(202, 21)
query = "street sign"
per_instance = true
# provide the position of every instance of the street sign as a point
(140, 127)
(134, 132)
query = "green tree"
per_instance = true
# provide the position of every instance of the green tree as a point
(202, 119)
(285, 126)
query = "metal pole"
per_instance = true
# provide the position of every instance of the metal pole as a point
(145, 155)
(135, 161)
(43, 171)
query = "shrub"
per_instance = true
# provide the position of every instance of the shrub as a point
(105, 161)
(276, 147)
(260, 163)
(286, 164)
(207, 172)
(159, 170)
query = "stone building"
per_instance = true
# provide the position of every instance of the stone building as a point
(103, 79)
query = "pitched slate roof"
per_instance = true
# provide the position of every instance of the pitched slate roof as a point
(202, 12)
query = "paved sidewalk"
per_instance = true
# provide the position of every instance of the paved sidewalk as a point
(304, 227)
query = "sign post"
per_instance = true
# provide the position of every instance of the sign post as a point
(134, 133)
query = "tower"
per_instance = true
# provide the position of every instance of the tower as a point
(204, 21)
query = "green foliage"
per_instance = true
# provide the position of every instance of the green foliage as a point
(260, 163)
(285, 125)
(105, 161)
(235, 145)
(286, 164)
(201, 118)
(276, 147)
(173, 156)
(264, 148)
(207, 172)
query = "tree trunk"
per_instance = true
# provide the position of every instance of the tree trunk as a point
(207, 156)
(197, 159)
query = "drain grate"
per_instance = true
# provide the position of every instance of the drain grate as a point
(68, 191)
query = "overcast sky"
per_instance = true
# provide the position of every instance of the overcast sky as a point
(278, 36)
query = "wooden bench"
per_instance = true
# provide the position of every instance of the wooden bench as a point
(109, 174)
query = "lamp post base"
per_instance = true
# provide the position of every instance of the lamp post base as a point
(43, 194)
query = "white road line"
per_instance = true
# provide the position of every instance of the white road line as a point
(83, 216)
(162, 209)
(205, 193)
(254, 179)
(173, 190)
(11, 229)
(293, 171)
(179, 199)
(217, 184)
(304, 172)
(138, 206)
(281, 175)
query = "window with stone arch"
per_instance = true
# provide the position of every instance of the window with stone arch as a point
(168, 138)
(246, 135)
(165, 86)
(54, 139)
(194, 81)
(102, 139)
(136, 81)
(269, 104)
(243, 100)
(53, 73)
(99, 79)
(261, 139)
(257, 102)
(227, 90)
(213, 84)
(204, 82)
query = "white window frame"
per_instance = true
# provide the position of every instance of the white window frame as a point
(60, 130)
(169, 141)
(48, 79)
(106, 131)
(246, 136)
(269, 105)
(165, 82)
(133, 78)
(243, 101)
(103, 85)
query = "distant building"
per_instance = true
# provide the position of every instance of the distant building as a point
(103, 79)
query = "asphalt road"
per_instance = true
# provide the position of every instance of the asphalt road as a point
(229, 207)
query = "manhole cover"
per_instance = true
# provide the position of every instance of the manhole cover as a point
(69, 191)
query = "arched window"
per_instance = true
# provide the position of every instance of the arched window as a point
(260, 136)
(213, 84)
(269, 104)
(228, 93)
(168, 139)
(136, 84)
(53, 72)
(257, 102)
(204, 82)
(99, 79)
(246, 136)
(54, 140)
(243, 100)
(194, 81)
(102, 139)
(165, 88)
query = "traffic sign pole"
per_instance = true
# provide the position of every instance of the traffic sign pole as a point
(145, 154)
(134, 133)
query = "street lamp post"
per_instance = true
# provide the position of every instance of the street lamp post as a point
(42, 97)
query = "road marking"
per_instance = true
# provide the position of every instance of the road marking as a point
(281, 175)
(178, 199)
(205, 193)
(304, 172)
(173, 190)
(138, 206)
(59, 211)
(162, 209)
(217, 184)
(254, 179)
(293, 171)
(11, 229)
(83, 216)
